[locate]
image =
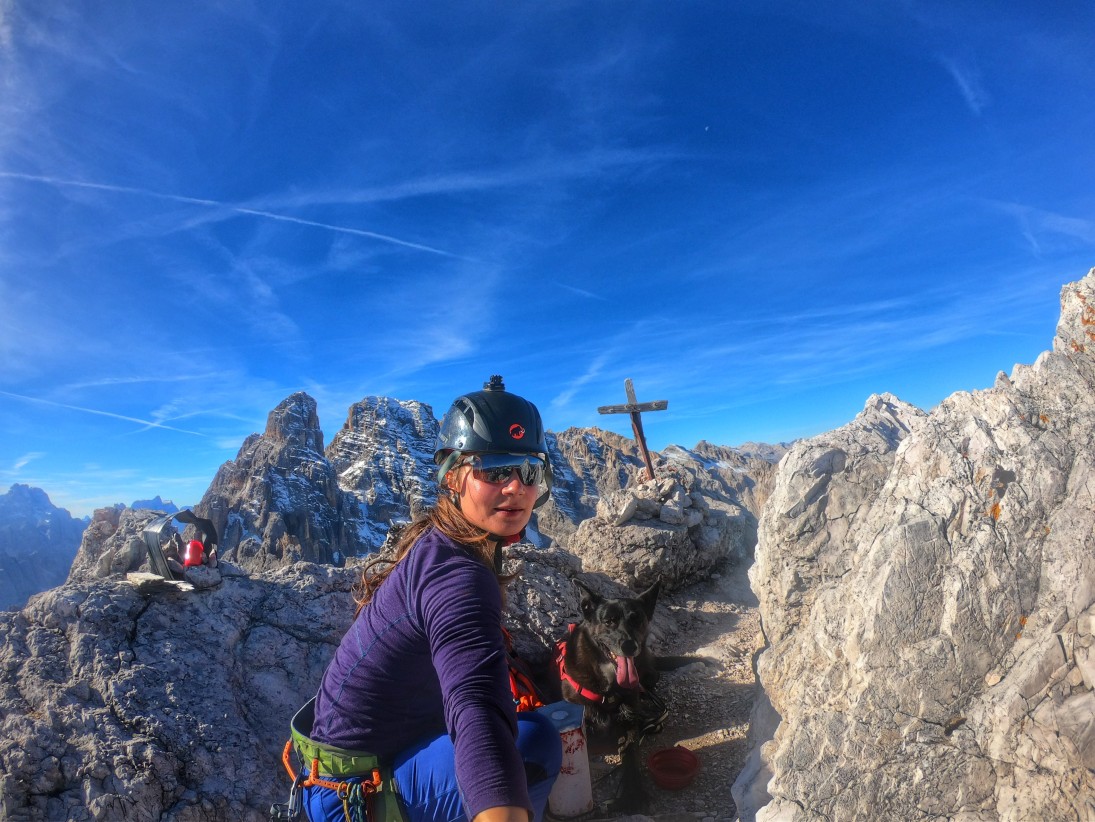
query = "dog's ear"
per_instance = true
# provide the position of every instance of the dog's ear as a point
(649, 598)
(590, 600)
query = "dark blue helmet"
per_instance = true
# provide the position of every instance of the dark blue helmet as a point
(491, 421)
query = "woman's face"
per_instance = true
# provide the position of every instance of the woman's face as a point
(502, 509)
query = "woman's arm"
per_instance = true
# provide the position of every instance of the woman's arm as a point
(461, 608)
(506, 813)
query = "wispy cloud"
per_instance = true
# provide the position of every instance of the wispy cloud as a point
(229, 207)
(22, 462)
(266, 311)
(594, 370)
(581, 292)
(107, 382)
(1076, 227)
(5, 23)
(584, 165)
(769, 356)
(1038, 226)
(51, 403)
(969, 84)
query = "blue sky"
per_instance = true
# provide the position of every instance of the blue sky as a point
(762, 212)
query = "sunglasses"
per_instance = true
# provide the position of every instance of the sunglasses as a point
(498, 469)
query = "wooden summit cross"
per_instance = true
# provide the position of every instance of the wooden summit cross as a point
(634, 408)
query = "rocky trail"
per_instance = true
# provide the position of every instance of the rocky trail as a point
(709, 702)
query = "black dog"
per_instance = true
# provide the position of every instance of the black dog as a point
(604, 665)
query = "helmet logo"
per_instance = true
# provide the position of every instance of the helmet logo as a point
(516, 431)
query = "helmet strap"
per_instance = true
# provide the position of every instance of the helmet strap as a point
(499, 541)
(447, 464)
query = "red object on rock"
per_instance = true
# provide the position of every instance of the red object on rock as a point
(673, 768)
(194, 552)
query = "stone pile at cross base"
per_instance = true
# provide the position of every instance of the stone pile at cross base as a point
(927, 591)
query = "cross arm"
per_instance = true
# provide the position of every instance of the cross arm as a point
(634, 407)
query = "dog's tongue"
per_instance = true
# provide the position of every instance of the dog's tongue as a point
(626, 675)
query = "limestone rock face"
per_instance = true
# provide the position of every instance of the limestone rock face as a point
(117, 705)
(120, 706)
(279, 501)
(927, 589)
(38, 542)
(112, 545)
(384, 456)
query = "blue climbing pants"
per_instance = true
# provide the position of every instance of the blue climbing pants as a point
(426, 776)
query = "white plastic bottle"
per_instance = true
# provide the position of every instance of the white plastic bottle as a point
(572, 793)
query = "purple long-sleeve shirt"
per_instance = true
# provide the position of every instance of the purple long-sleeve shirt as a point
(427, 656)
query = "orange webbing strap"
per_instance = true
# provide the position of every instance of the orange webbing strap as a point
(526, 696)
(314, 780)
(524, 691)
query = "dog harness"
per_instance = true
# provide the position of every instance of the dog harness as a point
(626, 675)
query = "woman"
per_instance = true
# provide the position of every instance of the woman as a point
(421, 678)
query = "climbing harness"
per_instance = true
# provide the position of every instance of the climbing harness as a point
(362, 782)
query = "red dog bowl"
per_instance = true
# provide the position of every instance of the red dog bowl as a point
(673, 768)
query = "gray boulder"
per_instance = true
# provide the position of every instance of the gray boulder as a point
(663, 530)
(112, 544)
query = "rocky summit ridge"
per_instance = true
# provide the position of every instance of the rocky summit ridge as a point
(120, 700)
(926, 584)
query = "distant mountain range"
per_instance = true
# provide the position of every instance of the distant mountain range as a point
(286, 497)
(156, 504)
(38, 542)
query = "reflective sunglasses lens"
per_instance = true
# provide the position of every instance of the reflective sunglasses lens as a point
(531, 473)
(496, 476)
(498, 469)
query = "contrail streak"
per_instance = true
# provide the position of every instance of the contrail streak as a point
(148, 423)
(178, 198)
